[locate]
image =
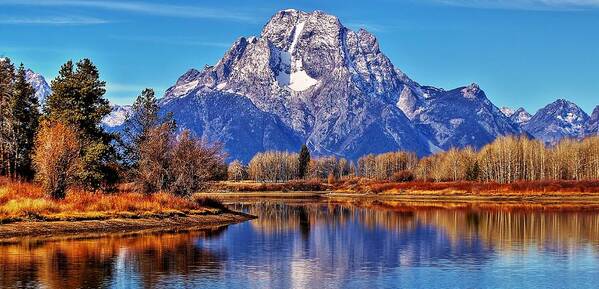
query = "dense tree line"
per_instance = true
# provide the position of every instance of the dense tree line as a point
(276, 166)
(387, 165)
(507, 159)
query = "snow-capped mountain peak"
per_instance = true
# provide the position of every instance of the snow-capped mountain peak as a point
(519, 116)
(507, 111)
(117, 116)
(559, 119)
(39, 84)
(331, 86)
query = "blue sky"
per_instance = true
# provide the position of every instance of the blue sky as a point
(521, 52)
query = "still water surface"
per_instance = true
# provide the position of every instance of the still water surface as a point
(321, 245)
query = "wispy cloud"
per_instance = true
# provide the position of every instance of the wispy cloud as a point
(171, 10)
(58, 20)
(523, 4)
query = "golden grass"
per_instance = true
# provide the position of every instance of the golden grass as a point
(357, 185)
(26, 201)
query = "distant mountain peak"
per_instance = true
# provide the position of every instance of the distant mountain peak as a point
(593, 124)
(472, 91)
(39, 84)
(519, 116)
(507, 111)
(329, 85)
(307, 79)
(117, 116)
(557, 120)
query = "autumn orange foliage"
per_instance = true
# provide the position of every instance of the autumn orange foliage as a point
(27, 201)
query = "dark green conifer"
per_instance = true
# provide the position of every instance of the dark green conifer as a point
(24, 117)
(77, 100)
(304, 161)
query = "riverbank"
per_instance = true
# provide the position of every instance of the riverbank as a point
(26, 211)
(95, 228)
(527, 192)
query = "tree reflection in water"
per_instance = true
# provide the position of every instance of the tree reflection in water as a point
(306, 245)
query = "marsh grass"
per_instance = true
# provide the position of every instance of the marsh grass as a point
(25, 201)
(405, 185)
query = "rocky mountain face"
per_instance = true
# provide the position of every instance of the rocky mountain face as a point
(234, 121)
(559, 119)
(456, 118)
(519, 116)
(308, 79)
(117, 117)
(593, 125)
(324, 84)
(38, 82)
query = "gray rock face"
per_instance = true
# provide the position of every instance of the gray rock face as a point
(519, 116)
(559, 119)
(330, 86)
(234, 121)
(38, 82)
(308, 79)
(456, 118)
(593, 124)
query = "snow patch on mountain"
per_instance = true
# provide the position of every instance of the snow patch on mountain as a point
(117, 116)
(507, 111)
(519, 116)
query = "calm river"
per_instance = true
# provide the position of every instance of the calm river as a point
(322, 245)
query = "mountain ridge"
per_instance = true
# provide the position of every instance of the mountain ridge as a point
(306, 78)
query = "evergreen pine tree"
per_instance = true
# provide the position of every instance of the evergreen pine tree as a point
(304, 161)
(24, 118)
(77, 100)
(142, 118)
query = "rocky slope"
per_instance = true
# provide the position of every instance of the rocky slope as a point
(559, 119)
(593, 124)
(331, 87)
(38, 82)
(308, 79)
(519, 116)
(456, 118)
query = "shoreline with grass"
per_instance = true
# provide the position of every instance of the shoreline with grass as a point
(26, 211)
(17, 231)
(570, 192)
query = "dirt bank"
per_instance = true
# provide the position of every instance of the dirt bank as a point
(90, 228)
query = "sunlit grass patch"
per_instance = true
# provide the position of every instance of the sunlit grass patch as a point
(25, 201)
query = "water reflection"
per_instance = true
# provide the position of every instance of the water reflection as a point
(329, 245)
(127, 261)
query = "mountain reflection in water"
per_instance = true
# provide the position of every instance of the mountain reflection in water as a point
(328, 245)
